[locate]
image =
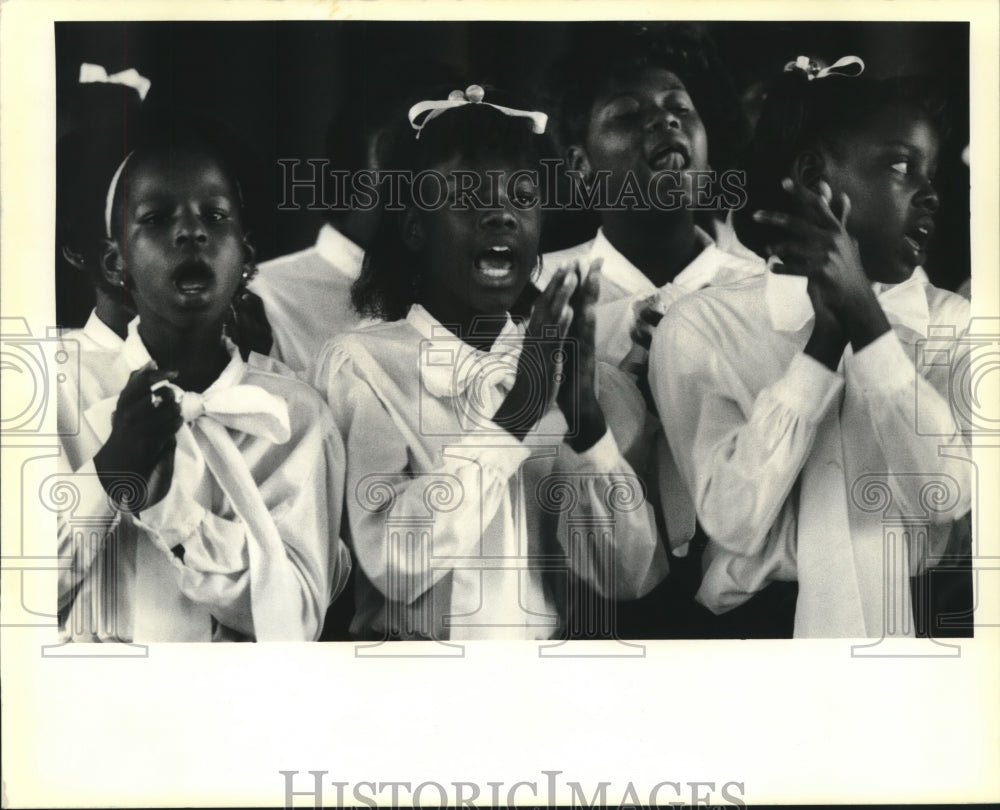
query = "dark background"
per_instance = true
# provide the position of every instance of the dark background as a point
(277, 84)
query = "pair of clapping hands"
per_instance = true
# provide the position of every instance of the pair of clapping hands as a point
(817, 245)
(557, 362)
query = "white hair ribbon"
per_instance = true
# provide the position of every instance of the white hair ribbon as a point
(849, 66)
(473, 94)
(95, 74)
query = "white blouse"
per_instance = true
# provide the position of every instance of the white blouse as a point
(245, 544)
(307, 296)
(800, 472)
(460, 530)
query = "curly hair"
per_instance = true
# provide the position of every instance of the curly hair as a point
(601, 54)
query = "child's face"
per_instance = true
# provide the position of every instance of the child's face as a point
(182, 239)
(645, 125)
(887, 171)
(479, 260)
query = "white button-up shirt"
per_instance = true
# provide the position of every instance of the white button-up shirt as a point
(623, 285)
(744, 409)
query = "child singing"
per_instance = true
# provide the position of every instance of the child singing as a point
(642, 120)
(478, 445)
(218, 481)
(792, 400)
(644, 114)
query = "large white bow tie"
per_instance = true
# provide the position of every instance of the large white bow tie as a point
(454, 368)
(246, 408)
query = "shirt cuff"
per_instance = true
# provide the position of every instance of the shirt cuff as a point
(808, 387)
(500, 452)
(882, 365)
(603, 454)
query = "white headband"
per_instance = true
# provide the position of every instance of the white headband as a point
(473, 94)
(110, 201)
(91, 74)
(849, 66)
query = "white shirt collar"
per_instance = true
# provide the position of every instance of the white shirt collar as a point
(336, 249)
(790, 309)
(622, 273)
(102, 334)
(449, 365)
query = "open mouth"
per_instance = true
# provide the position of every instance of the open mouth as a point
(193, 277)
(495, 265)
(670, 157)
(919, 235)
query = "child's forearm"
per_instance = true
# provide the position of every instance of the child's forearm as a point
(590, 427)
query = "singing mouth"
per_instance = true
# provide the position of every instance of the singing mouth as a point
(193, 277)
(495, 265)
(671, 156)
(919, 235)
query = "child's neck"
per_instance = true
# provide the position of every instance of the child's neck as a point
(113, 314)
(660, 246)
(196, 352)
(478, 330)
(357, 226)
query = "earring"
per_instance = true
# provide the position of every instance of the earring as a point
(537, 272)
(242, 290)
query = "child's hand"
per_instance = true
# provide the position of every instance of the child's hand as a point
(142, 440)
(535, 385)
(820, 248)
(647, 315)
(248, 324)
(577, 396)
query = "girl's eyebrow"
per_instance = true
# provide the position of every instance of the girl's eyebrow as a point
(902, 144)
(151, 198)
(632, 94)
(628, 95)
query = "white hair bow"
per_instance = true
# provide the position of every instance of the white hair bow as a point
(473, 94)
(845, 66)
(91, 74)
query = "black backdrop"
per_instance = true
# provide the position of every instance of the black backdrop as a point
(278, 83)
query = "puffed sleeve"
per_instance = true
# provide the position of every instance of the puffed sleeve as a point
(739, 467)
